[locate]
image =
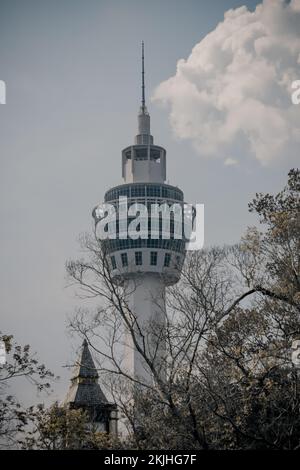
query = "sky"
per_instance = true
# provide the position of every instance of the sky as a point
(218, 92)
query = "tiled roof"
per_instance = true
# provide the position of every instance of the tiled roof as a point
(85, 366)
(85, 389)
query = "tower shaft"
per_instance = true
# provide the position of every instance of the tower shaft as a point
(146, 300)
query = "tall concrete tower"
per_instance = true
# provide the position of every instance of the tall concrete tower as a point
(145, 265)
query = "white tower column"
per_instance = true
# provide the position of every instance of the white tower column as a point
(146, 301)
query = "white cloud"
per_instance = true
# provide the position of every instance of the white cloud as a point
(232, 96)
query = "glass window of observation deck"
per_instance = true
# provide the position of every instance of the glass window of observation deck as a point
(141, 154)
(113, 262)
(138, 191)
(153, 258)
(167, 260)
(154, 191)
(124, 259)
(155, 155)
(138, 258)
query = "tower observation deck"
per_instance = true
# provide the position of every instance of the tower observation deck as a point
(146, 264)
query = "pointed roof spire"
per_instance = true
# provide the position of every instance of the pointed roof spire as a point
(85, 389)
(85, 366)
(143, 79)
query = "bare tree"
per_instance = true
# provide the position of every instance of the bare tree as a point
(21, 363)
(228, 329)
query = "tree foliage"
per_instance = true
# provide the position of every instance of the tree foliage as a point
(21, 363)
(61, 428)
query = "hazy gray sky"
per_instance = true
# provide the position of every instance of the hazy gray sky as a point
(72, 71)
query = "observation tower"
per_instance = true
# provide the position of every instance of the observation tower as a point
(146, 264)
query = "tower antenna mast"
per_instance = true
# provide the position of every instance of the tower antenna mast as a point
(143, 78)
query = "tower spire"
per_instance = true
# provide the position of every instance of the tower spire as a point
(143, 78)
(143, 136)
